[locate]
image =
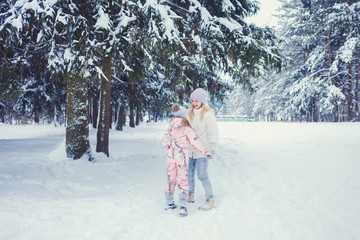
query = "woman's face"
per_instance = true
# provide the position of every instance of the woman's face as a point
(196, 103)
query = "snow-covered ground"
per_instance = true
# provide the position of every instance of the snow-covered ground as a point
(280, 181)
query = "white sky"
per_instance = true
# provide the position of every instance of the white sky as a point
(264, 16)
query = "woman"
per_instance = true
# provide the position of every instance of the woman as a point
(202, 120)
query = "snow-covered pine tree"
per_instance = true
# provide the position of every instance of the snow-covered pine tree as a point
(344, 19)
(79, 56)
(244, 51)
(197, 41)
(10, 84)
(70, 38)
(59, 30)
(310, 79)
(24, 64)
(306, 83)
(104, 27)
(320, 38)
(128, 60)
(160, 53)
(330, 74)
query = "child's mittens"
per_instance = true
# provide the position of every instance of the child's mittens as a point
(208, 154)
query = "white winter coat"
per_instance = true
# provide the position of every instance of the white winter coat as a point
(206, 130)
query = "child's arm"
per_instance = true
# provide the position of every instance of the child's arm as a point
(195, 142)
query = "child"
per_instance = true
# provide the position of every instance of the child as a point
(176, 139)
(202, 120)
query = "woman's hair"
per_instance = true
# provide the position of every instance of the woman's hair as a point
(186, 123)
(204, 108)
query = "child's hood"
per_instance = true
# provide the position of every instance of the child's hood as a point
(176, 122)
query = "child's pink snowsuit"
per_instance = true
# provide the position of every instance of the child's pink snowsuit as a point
(176, 139)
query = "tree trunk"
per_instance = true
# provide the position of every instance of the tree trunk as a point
(77, 130)
(111, 114)
(329, 53)
(121, 118)
(90, 108)
(349, 85)
(138, 114)
(357, 85)
(116, 112)
(349, 94)
(303, 37)
(2, 114)
(156, 113)
(36, 109)
(55, 115)
(132, 114)
(95, 110)
(36, 115)
(105, 108)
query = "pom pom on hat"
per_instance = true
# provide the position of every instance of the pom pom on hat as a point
(199, 94)
(178, 111)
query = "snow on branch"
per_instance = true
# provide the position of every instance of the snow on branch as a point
(103, 20)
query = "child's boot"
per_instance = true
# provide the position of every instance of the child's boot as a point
(191, 198)
(183, 212)
(210, 204)
(170, 206)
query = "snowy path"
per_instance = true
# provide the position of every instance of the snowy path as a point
(20, 154)
(271, 181)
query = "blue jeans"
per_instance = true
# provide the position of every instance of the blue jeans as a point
(201, 164)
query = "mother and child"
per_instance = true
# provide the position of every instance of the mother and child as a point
(190, 141)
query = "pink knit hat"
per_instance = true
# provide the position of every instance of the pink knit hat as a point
(199, 94)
